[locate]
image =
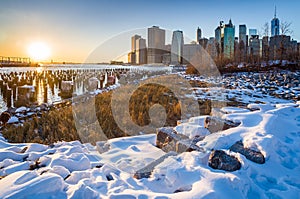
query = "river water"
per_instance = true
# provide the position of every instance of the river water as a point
(47, 80)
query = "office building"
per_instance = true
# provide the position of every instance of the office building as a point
(133, 42)
(252, 32)
(265, 48)
(254, 46)
(177, 47)
(199, 35)
(275, 25)
(211, 47)
(190, 52)
(229, 37)
(156, 44)
(141, 51)
(243, 40)
(279, 46)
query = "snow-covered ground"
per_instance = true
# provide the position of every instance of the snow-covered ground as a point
(268, 124)
(75, 170)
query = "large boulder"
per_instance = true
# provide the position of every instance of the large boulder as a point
(147, 170)
(4, 117)
(214, 124)
(250, 154)
(218, 159)
(168, 140)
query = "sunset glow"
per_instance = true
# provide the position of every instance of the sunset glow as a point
(38, 51)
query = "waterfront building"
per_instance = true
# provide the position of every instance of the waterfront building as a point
(190, 52)
(229, 37)
(254, 46)
(243, 42)
(131, 58)
(134, 38)
(279, 46)
(275, 25)
(219, 35)
(141, 51)
(252, 31)
(211, 47)
(199, 35)
(265, 48)
(177, 47)
(156, 44)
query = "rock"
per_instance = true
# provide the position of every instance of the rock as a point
(44, 107)
(102, 146)
(169, 140)
(214, 124)
(4, 117)
(147, 170)
(252, 155)
(218, 159)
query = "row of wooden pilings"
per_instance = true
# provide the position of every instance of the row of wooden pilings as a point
(22, 88)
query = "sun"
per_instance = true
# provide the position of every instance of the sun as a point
(39, 51)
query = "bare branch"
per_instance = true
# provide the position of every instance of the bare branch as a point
(266, 29)
(285, 27)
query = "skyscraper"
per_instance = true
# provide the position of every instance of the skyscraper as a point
(211, 47)
(243, 39)
(199, 35)
(275, 25)
(229, 36)
(254, 46)
(133, 42)
(177, 47)
(141, 51)
(252, 32)
(219, 38)
(156, 44)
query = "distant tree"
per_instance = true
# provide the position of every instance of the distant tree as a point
(285, 27)
(265, 29)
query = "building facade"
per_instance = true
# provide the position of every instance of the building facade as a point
(265, 48)
(199, 35)
(190, 52)
(252, 31)
(243, 41)
(133, 42)
(141, 51)
(254, 46)
(156, 44)
(177, 47)
(211, 47)
(279, 47)
(275, 25)
(229, 37)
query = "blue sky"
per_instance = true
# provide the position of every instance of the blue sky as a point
(74, 28)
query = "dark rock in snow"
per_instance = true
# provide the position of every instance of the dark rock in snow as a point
(147, 170)
(214, 124)
(254, 156)
(4, 117)
(169, 140)
(218, 159)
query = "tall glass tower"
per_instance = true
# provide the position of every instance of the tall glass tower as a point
(229, 37)
(199, 35)
(177, 47)
(275, 25)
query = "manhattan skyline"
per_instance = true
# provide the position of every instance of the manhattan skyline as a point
(73, 29)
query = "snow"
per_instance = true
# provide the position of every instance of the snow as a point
(21, 109)
(76, 170)
(191, 130)
(12, 120)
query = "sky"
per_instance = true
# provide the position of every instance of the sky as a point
(74, 29)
